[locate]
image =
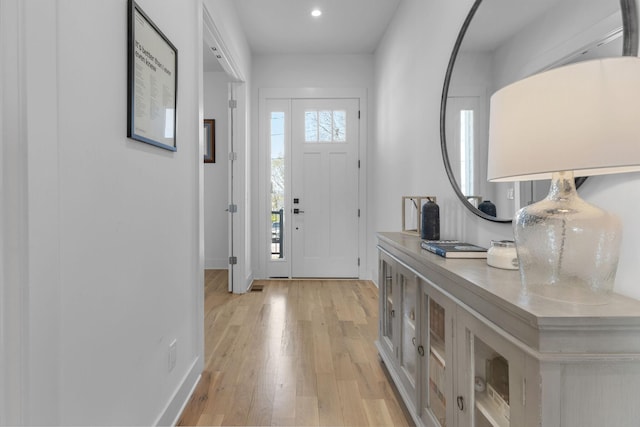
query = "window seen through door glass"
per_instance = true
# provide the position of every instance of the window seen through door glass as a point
(325, 126)
(466, 152)
(277, 184)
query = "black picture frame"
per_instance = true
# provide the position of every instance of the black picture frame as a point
(152, 82)
(209, 141)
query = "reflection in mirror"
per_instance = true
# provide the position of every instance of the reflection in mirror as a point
(503, 41)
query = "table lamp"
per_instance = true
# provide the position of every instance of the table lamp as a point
(578, 120)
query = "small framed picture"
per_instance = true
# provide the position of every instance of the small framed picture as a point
(209, 141)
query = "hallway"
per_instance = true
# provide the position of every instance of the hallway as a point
(292, 353)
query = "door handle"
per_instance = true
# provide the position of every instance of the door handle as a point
(297, 211)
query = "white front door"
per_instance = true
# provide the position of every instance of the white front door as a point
(324, 188)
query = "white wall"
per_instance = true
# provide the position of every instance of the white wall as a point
(113, 269)
(409, 70)
(302, 72)
(216, 245)
(312, 71)
(13, 224)
(407, 157)
(619, 194)
(556, 34)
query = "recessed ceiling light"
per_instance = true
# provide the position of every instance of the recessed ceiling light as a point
(316, 12)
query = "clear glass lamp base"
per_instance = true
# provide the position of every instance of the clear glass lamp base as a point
(568, 249)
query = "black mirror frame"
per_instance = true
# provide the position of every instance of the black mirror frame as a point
(630, 48)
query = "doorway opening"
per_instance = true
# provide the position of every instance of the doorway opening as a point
(223, 86)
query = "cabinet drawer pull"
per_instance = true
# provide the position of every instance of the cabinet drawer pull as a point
(393, 313)
(460, 401)
(421, 350)
(413, 341)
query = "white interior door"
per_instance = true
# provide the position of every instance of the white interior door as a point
(324, 184)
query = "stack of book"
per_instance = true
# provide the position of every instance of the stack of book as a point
(454, 249)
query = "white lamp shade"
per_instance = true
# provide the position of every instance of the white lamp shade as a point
(583, 117)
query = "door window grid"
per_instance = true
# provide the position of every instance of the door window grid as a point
(326, 126)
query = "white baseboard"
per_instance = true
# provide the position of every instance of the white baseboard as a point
(374, 278)
(178, 402)
(248, 281)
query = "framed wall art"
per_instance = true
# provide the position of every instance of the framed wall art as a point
(209, 141)
(152, 82)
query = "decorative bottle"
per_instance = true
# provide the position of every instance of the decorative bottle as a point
(487, 207)
(430, 221)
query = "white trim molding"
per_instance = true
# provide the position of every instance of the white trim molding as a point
(178, 402)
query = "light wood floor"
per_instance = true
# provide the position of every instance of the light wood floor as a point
(296, 353)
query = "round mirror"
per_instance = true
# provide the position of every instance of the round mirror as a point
(502, 41)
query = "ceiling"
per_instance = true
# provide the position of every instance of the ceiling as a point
(211, 63)
(287, 27)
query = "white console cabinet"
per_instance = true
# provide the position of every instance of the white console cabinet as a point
(465, 347)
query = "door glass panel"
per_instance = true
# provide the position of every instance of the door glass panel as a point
(339, 126)
(437, 366)
(491, 385)
(311, 126)
(277, 185)
(409, 290)
(325, 126)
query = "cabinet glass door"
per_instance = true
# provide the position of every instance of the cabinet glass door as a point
(408, 351)
(387, 308)
(437, 402)
(491, 386)
(494, 380)
(437, 358)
